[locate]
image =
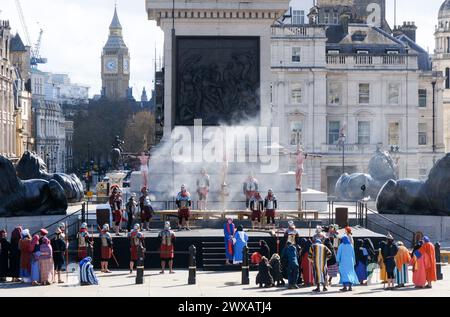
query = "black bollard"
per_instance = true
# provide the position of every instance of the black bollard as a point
(83, 212)
(437, 248)
(192, 265)
(140, 266)
(245, 267)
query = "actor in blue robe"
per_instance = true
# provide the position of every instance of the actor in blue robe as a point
(228, 231)
(290, 254)
(346, 260)
(240, 241)
(361, 255)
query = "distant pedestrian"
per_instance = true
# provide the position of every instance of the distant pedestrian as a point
(228, 232)
(59, 250)
(87, 273)
(402, 260)
(240, 241)
(305, 264)
(419, 266)
(264, 278)
(383, 273)
(291, 255)
(36, 252)
(137, 241)
(346, 260)
(5, 249)
(319, 255)
(276, 271)
(390, 251)
(46, 265)
(429, 252)
(167, 248)
(362, 261)
(332, 266)
(25, 256)
(131, 207)
(106, 251)
(14, 264)
(372, 259)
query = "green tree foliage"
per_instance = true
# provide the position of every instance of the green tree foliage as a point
(96, 129)
(140, 132)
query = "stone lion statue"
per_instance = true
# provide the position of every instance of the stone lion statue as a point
(415, 197)
(31, 166)
(359, 185)
(28, 198)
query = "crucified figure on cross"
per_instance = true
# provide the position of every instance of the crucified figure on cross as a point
(301, 158)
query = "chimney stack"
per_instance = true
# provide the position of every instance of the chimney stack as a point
(408, 28)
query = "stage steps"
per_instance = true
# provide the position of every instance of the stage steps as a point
(214, 256)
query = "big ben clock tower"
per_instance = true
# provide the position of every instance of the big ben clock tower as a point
(115, 64)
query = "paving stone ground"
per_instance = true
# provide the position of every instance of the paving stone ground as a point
(211, 284)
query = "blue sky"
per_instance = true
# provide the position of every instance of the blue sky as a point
(76, 30)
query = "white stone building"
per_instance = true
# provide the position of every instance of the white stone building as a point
(358, 80)
(441, 62)
(49, 122)
(15, 96)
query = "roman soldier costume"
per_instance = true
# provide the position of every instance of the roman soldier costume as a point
(271, 205)
(146, 209)
(115, 201)
(250, 188)
(136, 240)
(291, 234)
(84, 242)
(203, 187)
(184, 204)
(106, 244)
(257, 207)
(167, 238)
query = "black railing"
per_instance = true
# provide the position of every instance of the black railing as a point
(62, 220)
(394, 227)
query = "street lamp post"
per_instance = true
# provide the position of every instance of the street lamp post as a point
(433, 84)
(342, 138)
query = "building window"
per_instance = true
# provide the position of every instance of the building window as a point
(364, 93)
(334, 93)
(335, 17)
(296, 133)
(333, 52)
(394, 92)
(394, 133)
(363, 132)
(422, 134)
(298, 17)
(422, 98)
(392, 52)
(296, 54)
(296, 95)
(326, 17)
(334, 128)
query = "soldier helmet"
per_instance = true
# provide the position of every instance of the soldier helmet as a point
(167, 225)
(106, 227)
(83, 225)
(137, 227)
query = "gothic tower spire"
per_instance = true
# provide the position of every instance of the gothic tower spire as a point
(115, 63)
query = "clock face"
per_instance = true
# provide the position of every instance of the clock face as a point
(111, 65)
